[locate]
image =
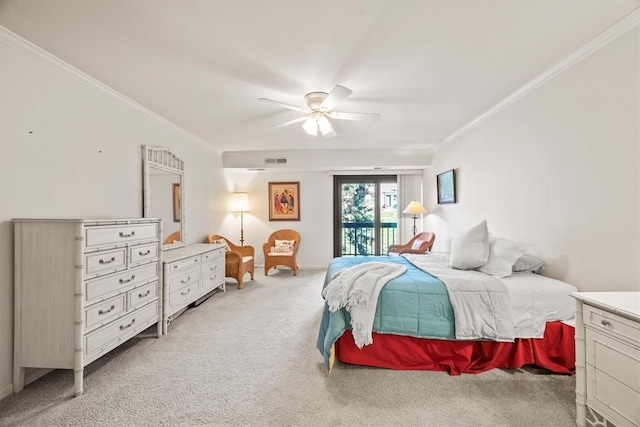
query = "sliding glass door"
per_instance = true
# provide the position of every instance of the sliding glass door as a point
(365, 214)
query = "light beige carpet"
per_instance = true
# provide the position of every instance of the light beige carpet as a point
(249, 358)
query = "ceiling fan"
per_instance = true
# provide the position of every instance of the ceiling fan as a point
(319, 108)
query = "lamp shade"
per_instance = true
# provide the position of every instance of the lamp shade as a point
(414, 208)
(310, 126)
(239, 202)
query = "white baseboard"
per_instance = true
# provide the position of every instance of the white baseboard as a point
(6, 391)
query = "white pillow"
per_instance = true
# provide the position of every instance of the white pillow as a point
(529, 263)
(284, 245)
(503, 254)
(222, 242)
(471, 249)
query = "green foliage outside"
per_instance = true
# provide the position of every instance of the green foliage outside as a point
(357, 206)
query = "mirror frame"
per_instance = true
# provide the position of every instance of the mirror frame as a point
(163, 159)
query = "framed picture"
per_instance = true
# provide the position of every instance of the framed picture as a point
(284, 201)
(446, 182)
(177, 200)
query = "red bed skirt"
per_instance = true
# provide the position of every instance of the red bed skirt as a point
(555, 352)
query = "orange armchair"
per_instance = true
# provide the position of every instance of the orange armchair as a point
(238, 260)
(421, 243)
(275, 255)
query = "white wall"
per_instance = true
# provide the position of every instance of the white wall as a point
(83, 159)
(316, 214)
(558, 168)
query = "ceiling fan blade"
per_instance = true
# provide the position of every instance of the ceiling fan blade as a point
(337, 95)
(290, 122)
(282, 104)
(369, 117)
(330, 134)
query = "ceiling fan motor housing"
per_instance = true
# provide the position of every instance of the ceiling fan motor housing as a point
(314, 100)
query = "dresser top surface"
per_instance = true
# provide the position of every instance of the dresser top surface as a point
(624, 303)
(102, 221)
(188, 251)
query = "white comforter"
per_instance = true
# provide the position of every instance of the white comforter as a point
(533, 300)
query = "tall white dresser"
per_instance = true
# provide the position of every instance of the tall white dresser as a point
(82, 288)
(190, 274)
(608, 357)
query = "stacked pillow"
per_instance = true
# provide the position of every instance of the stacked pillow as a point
(284, 246)
(222, 242)
(475, 249)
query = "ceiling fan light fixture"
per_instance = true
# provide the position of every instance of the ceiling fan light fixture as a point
(310, 126)
(325, 125)
(320, 109)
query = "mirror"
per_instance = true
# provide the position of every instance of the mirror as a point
(162, 185)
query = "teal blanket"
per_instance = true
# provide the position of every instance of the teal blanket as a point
(414, 304)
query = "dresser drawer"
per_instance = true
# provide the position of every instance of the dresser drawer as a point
(612, 324)
(212, 281)
(176, 266)
(141, 253)
(118, 282)
(186, 278)
(119, 329)
(105, 262)
(212, 268)
(213, 255)
(120, 234)
(143, 294)
(104, 311)
(613, 357)
(183, 296)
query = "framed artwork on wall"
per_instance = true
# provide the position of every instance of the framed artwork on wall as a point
(284, 201)
(446, 183)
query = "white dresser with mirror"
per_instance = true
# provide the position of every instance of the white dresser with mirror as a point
(191, 273)
(82, 287)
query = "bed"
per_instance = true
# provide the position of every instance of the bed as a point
(414, 327)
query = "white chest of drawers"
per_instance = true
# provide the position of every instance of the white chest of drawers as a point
(190, 273)
(82, 288)
(608, 356)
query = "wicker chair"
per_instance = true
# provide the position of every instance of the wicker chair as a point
(173, 237)
(421, 243)
(239, 260)
(272, 258)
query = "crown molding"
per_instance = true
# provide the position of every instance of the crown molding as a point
(35, 52)
(621, 27)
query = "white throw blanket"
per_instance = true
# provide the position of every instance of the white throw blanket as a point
(481, 303)
(357, 289)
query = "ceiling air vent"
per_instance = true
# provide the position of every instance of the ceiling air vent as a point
(275, 162)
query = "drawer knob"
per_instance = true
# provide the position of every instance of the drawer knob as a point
(133, 233)
(186, 281)
(109, 261)
(145, 294)
(144, 253)
(605, 322)
(184, 293)
(101, 312)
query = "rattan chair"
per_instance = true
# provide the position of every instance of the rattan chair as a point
(239, 260)
(421, 243)
(273, 258)
(172, 238)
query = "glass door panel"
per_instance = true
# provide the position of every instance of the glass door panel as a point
(365, 210)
